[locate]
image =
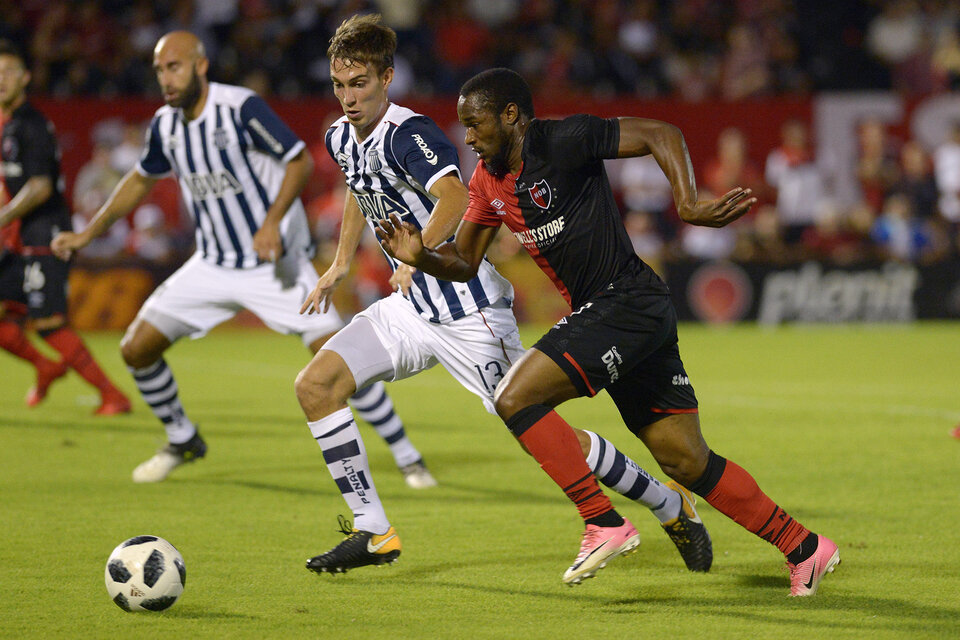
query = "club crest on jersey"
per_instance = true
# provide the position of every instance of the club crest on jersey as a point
(10, 148)
(220, 139)
(541, 194)
(373, 160)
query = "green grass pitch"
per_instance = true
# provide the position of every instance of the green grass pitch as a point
(846, 427)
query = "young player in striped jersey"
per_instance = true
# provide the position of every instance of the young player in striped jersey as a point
(398, 163)
(241, 170)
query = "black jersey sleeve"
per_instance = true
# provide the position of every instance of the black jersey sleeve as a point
(39, 149)
(582, 139)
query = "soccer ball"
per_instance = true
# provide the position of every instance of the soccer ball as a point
(145, 573)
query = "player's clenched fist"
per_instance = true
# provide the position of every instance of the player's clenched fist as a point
(65, 243)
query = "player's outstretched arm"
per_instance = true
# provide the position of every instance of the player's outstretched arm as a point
(266, 241)
(34, 192)
(452, 200)
(456, 261)
(351, 229)
(642, 136)
(126, 195)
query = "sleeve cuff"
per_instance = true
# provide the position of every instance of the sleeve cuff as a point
(294, 150)
(441, 173)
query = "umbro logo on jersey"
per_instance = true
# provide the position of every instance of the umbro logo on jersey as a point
(541, 194)
(498, 203)
(427, 152)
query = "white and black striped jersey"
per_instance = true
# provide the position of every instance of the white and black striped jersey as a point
(230, 163)
(392, 171)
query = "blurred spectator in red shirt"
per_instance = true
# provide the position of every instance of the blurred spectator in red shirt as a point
(732, 167)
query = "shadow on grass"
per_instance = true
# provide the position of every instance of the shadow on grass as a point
(758, 598)
(855, 612)
(498, 495)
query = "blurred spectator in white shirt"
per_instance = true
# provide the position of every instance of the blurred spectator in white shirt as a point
(946, 167)
(790, 170)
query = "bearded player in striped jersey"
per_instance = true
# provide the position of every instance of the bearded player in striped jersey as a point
(545, 180)
(399, 164)
(241, 170)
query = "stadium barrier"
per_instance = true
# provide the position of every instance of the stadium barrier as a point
(108, 296)
(722, 291)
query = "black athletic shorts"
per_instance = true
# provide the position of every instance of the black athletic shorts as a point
(39, 283)
(625, 341)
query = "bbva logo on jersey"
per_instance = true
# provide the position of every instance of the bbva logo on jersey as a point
(203, 185)
(378, 206)
(541, 194)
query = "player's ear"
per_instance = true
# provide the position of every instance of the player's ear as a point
(387, 77)
(203, 65)
(510, 114)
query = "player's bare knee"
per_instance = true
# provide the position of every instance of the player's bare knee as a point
(686, 467)
(507, 401)
(321, 385)
(132, 354)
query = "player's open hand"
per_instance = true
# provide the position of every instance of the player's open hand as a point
(318, 300)
(267, 243)
(401, 240)
(719, 212)
(65, 243)
(402, 278)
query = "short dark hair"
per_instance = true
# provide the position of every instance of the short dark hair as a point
(10, 48)
(498, 88)
(363, 39)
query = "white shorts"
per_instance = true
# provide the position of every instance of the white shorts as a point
(391, 341)
(200, 295)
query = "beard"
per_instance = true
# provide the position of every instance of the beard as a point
(190, 95)
(497, 165)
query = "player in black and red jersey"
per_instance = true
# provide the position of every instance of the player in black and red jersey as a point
(33, 282)
(545, 180)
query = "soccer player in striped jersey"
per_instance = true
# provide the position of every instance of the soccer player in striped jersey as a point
(549, 180)
(240, 170)
(398, 163)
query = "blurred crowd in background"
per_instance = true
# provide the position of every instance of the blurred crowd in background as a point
(688, 50)
(692, 49)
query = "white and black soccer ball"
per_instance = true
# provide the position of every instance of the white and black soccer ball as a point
(145, 573)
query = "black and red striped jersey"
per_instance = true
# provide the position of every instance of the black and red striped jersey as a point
(561, 207)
